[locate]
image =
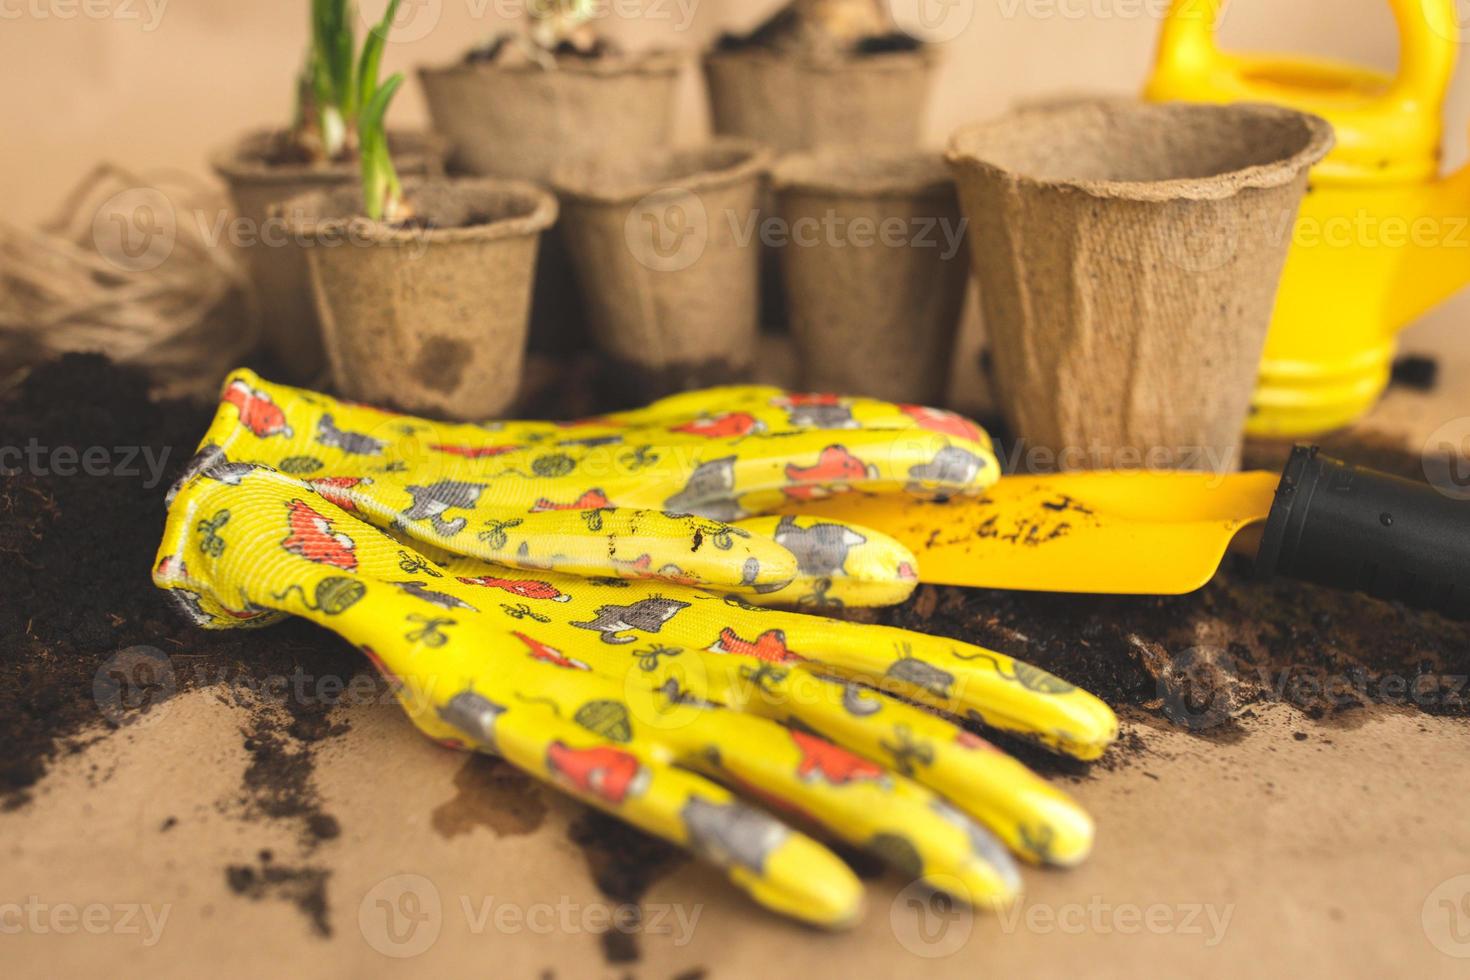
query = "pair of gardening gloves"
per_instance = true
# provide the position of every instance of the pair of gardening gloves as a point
(596, 603)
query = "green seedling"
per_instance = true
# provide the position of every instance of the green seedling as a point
(382, 194)
(338, 82)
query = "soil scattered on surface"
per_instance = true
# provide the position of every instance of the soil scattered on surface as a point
(86, 641)
(625, 862)
(306, 888)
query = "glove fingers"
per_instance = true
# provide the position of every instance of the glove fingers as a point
(729, 479)
(837, 564)
(1034, 819)
(955, 677)
(971, 682)
(780, 867)
(853, 799)
(610, 543)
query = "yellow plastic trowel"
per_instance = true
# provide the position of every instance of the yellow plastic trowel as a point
(1144, 533)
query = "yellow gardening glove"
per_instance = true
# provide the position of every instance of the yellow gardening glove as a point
(666, 705)
(612, 496)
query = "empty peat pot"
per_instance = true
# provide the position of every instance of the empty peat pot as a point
(429, 317)
(794, 101)
(875, 269)
(1128, 257)
(259, 175)
(666, 247)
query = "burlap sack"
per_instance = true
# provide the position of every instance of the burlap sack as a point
(875, 270)
(666, 248)
(790, 102)
(1128, 257)
(289, 328)
(521, 121)
(429, 318)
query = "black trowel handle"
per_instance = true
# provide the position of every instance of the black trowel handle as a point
(1355, 528)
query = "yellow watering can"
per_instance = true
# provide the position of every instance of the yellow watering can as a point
(1381, 238)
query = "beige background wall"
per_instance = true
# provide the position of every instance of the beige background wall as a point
(159, 85)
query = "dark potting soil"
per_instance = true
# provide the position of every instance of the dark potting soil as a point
(1416, 371)
(86, 641)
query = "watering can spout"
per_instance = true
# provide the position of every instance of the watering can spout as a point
(1436, 255)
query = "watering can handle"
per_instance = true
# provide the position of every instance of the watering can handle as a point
(1429, 35)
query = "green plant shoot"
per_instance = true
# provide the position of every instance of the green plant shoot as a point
(382, 194)
(338, 82)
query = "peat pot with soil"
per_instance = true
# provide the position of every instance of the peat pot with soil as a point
(423, 289)
(318, 151)
(822, 72)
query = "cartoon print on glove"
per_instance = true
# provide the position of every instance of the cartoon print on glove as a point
(835, 472)
(549, 654)
(816, 411)
(859, 702)
(950, 465)
(314, 538)
(770, 646)
(610, 774)
(642, 568)
(606, 718)
(334, 595)
(441, 599)
(352, 443)
(475, 715)
(945, 423)
(822, 549)
(473, 452)
(591, 500)
(925, 676)
(431, 502)
(212, 462)
(728, 425)
(832, 764)
(258, 413)
(983, 844)
(646, 616)
(732, 833)
(520, 588)
(1029, 677)
(338, 489)
(710, 492)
